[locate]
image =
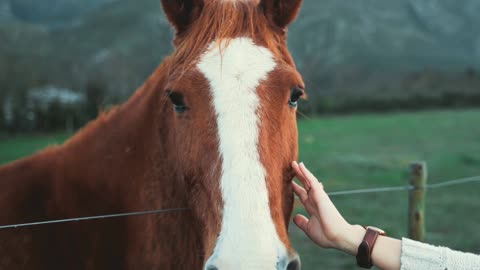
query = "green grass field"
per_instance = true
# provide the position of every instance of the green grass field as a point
(351, 152)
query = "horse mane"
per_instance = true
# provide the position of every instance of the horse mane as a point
(222, 21)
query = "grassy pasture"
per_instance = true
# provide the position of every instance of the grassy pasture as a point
(351, 152)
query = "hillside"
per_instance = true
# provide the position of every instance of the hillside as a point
(354, 55)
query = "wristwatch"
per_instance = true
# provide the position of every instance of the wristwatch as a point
(364, 253)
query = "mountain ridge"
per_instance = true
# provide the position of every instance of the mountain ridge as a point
(345, 49)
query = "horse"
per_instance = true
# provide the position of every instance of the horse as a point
(212, 130)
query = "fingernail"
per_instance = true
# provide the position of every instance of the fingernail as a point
(301, 164)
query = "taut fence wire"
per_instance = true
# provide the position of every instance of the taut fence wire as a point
(408, 187)
(369, 190)
(454, 182)
(142, 213)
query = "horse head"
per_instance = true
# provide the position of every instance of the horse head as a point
(232, 90)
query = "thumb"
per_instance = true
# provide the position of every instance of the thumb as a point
(301, 222)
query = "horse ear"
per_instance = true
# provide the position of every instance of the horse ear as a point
(181, 13)
(281, 12)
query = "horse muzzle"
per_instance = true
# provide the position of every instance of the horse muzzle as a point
(291, 262)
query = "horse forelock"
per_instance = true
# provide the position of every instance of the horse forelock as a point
(222, 21)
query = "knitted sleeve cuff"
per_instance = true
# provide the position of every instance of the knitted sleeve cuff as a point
(416, 255)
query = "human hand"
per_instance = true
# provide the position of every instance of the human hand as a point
(326, 226)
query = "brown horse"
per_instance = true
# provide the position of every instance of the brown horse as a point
(212, 130)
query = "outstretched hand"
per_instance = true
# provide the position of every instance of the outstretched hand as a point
(325, 226)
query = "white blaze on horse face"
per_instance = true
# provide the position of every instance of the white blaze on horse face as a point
(248, 238)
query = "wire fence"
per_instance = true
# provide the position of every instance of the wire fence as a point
(173, 210)
(369, 190)
(142, 213)
(417, 187)
(407, 187)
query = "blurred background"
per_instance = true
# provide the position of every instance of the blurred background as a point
(389, 82)
(62, 59)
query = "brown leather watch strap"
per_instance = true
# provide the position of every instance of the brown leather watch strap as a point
(364, 253)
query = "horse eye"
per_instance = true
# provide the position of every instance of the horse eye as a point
(295, 95)
(178, 102)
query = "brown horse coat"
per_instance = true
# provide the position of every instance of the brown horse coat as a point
(143, 155)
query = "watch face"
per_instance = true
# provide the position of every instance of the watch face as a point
(380, 231)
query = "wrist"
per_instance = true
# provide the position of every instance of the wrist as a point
(352, 240)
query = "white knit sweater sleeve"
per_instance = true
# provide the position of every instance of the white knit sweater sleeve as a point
(419, 256)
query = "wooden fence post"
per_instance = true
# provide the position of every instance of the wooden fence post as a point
(416, 201)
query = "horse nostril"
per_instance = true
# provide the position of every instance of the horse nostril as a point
(212, 267)
(294, 264)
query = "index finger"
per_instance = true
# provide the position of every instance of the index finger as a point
(309, 178)
(300, 176)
